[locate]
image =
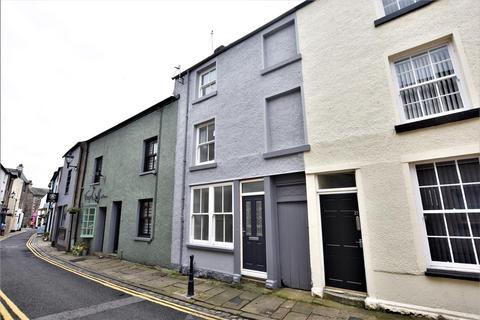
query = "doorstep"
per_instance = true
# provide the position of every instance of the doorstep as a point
(348, 297)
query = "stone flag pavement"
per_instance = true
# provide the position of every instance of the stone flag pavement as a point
(248, 299)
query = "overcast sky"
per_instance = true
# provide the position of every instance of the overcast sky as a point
(72, 69)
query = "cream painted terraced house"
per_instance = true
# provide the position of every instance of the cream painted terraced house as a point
(391, 91)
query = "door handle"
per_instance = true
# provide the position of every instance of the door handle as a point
(357, 222)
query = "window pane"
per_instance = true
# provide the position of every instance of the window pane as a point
(259, 209)
(405, 3)
(404, 73)
(219, 227)
(205, 227)
(211, 151)
(228, 228)
(435, 224)
(422, 68)
(426, 175)
(196, 201)
(211, 132)
(475, 223)
(477, 246)
(390, 6)
(337, 180)
(256, 186)
(447, 172)
(430, 198)
(472, 194)
(248, 218)
(463, 251)
(439, 250)
(197, 227)
(204, 200)
(204, 153)
(457, 224)
(202, 134)
(440, 54)
(218, 199)
(227, 199)
(469, 170)
(452, 197)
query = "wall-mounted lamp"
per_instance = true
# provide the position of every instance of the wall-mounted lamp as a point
(69, 159)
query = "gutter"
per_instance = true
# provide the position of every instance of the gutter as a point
(182, 228)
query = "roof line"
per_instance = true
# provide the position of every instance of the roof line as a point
(233, 44)
(135, 117)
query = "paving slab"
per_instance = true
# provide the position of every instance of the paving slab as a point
(296, 316)
(223, 297)
(264, 305)
(280, 313)
(302, 307)
(203, 296)
(288, 304)
(161, 283)
(326, 312)
(294, 294)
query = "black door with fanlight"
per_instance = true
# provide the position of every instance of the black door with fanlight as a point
(253, 230)
(342, 242)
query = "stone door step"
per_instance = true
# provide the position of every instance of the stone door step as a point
(348, 297)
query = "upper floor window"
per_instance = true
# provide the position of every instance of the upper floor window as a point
(205, 148)
(428, 84)
(450, 196)
(69, 178)
(97, 169)
(150, 156)
(390, 6)
(208, 81)
(145, 218)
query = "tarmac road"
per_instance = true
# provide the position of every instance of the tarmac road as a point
(43, 291)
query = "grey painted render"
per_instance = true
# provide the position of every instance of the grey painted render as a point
(122, 149)
(238, 107)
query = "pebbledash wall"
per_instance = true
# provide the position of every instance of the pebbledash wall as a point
(352, 106)
(124, 182)
(257, 110)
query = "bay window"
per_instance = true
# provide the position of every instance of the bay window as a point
(450, 196)
(212, 215)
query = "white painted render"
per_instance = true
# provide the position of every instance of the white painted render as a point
(351, 106)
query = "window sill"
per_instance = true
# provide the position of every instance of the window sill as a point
(147, 173)
(463, 275)
(209, 248)
(205, 97)
(453, 117)
(401, 12)
(286, 152)
(282, 64)
(203, 166)
(142, 239)
(95, 183)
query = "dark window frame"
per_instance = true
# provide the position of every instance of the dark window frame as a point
(69, 179)
(97, 173)
(401, 12)
(145, 216)
(149, 153)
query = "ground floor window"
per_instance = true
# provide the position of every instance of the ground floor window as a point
(450, 195)
(145, 218)
(88, 223)
(212, 215)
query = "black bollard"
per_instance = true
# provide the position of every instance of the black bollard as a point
(190, 279)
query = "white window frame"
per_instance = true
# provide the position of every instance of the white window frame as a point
(438, 264)
(201, 85)
(88, 212)
(398, 6)
(198, 144)
(211, 217)
(457, 73)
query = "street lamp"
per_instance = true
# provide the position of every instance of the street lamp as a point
(69, 159)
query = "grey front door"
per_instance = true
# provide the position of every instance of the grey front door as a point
(342, 242)
(253, 230)
(294, 245)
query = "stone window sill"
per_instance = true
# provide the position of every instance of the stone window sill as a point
(454, 274)
(401, 12)
(203, 166)
(205, 97)
(142, 239)
(281, 64)
(147, 173)
(286, 152)
(209, 248)
(453, 117)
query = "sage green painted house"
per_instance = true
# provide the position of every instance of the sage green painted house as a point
(127, 192)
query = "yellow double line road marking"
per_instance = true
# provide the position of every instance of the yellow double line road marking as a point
(131, 292)
(4, 312)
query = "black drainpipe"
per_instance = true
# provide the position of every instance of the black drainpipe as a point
(159, 140)
(183, 173)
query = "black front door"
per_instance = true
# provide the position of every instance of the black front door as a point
(342, 242)
(253, 229)
(118, 209)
